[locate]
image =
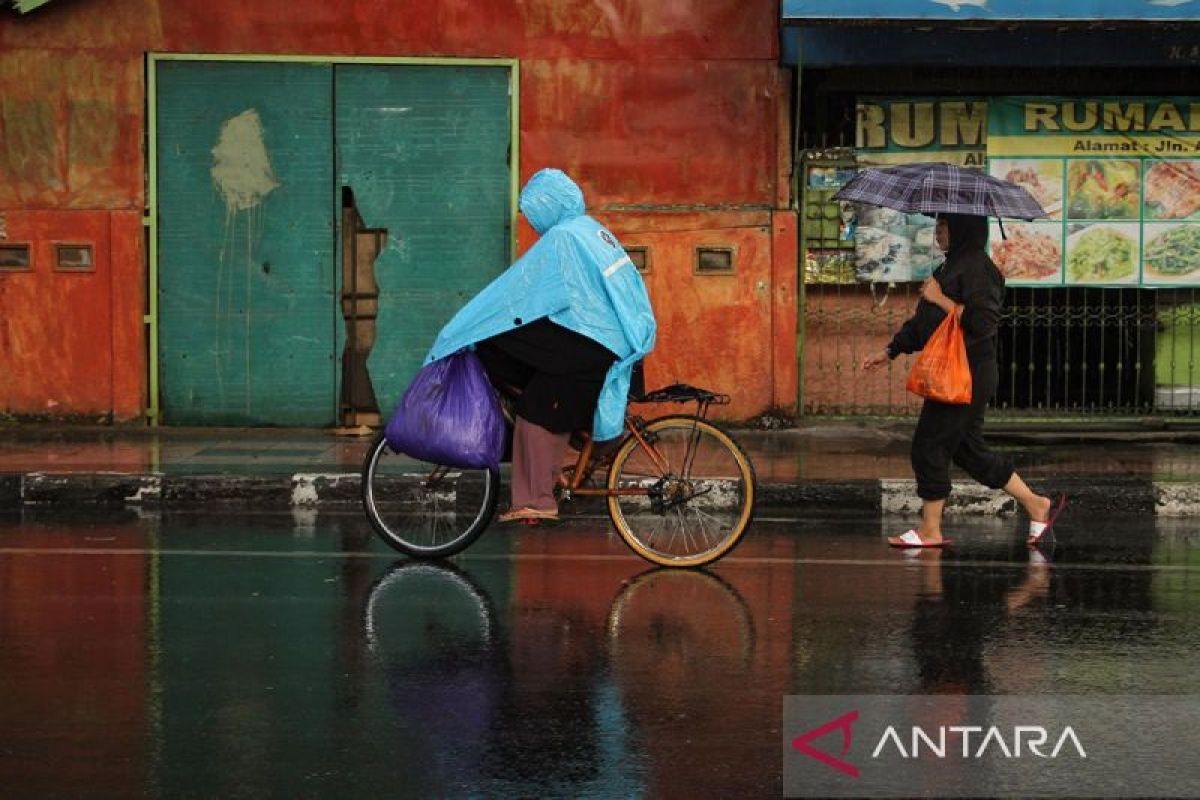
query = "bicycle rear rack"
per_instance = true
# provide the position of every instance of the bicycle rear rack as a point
(682, 393)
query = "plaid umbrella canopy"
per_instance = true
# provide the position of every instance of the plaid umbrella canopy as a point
(939, 188)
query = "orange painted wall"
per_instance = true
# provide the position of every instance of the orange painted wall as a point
(63, 349)
(673, 117)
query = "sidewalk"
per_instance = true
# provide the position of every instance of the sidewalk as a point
(819, 468)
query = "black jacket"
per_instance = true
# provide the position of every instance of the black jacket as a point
(969, 278)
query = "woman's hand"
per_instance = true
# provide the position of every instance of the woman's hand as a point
(931, 290)
(875, 360)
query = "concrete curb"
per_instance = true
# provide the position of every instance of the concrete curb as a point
(1099, 494)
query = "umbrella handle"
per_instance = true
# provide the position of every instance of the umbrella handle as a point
(999, 219)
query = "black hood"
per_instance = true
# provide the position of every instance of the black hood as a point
(967, 232)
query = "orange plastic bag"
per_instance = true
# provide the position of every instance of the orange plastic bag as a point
(941, 371)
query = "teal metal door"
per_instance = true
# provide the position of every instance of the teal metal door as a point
(246, 237)
(425, 150)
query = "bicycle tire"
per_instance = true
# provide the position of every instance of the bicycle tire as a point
(710, 488)
(421, 513)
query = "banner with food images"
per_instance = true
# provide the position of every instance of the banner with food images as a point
(1120, 179)
(891, 246)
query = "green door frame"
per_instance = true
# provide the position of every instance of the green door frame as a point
(150, 217)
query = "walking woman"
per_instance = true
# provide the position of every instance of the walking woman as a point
(969, 284)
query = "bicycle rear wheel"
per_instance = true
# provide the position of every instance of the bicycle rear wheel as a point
(426, 510)
(701, 492)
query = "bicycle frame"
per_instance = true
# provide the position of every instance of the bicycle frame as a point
(584, 467)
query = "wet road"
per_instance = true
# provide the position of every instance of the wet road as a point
(293, 656)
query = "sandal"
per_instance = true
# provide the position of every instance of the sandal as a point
(911, 539)
(527, 515)
(1038, 530)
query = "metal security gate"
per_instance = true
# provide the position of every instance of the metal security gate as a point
(1063, 352)
(259, 166)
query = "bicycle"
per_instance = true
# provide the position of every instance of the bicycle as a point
(680, 491)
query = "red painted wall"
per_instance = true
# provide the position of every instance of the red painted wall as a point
(673, 117)
(74, 664)
(70, 341)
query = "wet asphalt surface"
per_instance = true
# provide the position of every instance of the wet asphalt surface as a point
(292, 655)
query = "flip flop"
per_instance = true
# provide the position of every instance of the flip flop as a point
(1038, 530)
(527, 515)
(911, 539)
(537, 522)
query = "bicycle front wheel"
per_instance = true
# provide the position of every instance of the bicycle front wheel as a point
(426, 510)
(699, 492)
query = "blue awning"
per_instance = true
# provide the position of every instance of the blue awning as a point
(993, 10)
(878, 45)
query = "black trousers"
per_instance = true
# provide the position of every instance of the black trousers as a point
(560, 373)
(948, 434)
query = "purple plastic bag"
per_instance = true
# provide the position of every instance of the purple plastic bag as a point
(449, 415)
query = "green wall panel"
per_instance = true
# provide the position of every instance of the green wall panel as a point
(246, 237)
(425, 149)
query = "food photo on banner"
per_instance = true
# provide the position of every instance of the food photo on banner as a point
(1120, 178)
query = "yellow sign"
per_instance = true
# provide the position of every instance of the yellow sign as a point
(908, 131)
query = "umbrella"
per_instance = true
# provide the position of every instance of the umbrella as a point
(939, 188)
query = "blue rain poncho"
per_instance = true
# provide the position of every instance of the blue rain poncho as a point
(576, 274)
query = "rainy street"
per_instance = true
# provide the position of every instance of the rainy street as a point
(292, 655)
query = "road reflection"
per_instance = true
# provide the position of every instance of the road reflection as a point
(194, 655)
(432, 631)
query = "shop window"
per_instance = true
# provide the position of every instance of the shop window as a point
(640, 256)
(15, 258)
(714, 260)
(74, 258)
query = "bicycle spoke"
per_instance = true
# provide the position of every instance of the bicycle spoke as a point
(702, 493)
(422, 509)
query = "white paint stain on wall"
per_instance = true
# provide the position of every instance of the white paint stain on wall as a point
(242, 173)
(241, 166)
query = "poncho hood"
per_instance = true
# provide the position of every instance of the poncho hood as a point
(550, 198)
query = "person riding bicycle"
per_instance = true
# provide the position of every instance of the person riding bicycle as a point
(563, 326)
